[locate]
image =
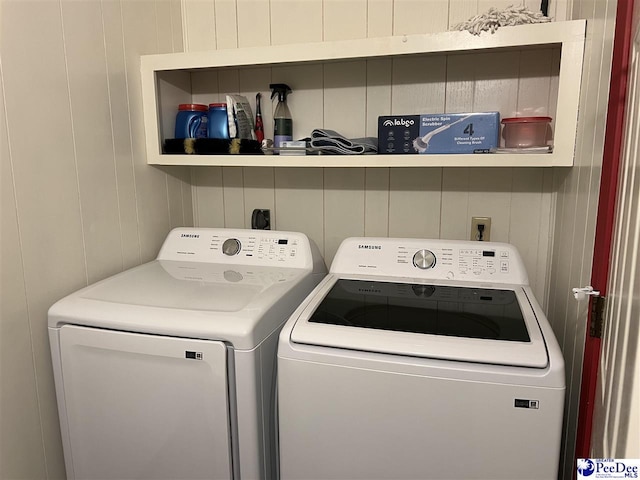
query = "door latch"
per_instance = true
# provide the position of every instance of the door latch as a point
(584, 292)
(597, 308)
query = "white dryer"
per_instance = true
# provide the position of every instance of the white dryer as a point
(420, 359)
(167, 370)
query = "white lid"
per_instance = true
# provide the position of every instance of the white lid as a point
(197, 290)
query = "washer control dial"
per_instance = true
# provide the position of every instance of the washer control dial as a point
(424, 259)
(231, 246)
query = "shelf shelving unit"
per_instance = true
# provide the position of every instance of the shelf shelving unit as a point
(169, 79)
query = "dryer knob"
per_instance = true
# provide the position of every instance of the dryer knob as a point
(231, 246)
(424, 259)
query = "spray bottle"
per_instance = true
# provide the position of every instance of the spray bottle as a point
(282, 122)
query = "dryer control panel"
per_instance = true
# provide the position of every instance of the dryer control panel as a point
(238, 246)
(431, 259)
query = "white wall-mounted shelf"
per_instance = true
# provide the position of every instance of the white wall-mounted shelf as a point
(170, 79)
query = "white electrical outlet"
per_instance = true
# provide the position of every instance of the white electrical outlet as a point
(480, 229)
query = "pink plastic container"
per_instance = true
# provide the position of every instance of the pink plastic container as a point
(525, 132)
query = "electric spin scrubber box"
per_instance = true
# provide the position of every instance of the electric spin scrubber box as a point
(396, 133)
(458, 133)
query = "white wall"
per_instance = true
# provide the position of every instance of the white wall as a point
(549, 214)
(78, 200)
(332, 204)
(577, 191)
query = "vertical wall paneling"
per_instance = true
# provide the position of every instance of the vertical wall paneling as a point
(153, 212)
(254, 28)
(306, 102)
(543, 212)
(344, 198)
(175, 185)
(414, 202)
(121, 132)
(379, 18)
(208, 210)
(46, 185)
(527, 219)
(576, 209)
(252, 81)
(232, 185)
(454, 214)
(205, 88)
(337, 14)
(199, 25)
(546, 234)
(349, 97)
(226, 24)
(534, 86)
(84, 42)
(490, 196)
(259, 192)
(293, 21)
(496, 72)
(187, 195)
(177, 33)
(460, 86)
(21, 446)
(163, 11)
(344, 99)
(461, 10)
(410, 16)
(228, 83)
(590, 151)
(300, 201)
(418, 85)
(376, 202)
(378, 93)
(80, 202)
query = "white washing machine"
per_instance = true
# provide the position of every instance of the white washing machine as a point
(420, 359)
(166, 371)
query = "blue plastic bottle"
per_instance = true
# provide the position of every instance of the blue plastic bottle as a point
(218, 125)
(191, 121)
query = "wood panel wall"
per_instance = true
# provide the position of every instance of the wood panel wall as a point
(79, 202)
(575, 216)
(549, 214)
(332, 204)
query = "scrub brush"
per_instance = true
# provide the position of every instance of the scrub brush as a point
(421, 144)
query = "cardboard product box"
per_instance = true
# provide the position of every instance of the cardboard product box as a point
(458, 133)
(396, 133)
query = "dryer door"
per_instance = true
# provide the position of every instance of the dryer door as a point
(145, 406)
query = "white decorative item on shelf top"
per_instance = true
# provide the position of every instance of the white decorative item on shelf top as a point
(494, 18)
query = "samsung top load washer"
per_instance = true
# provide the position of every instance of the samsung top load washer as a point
(166, 371)
(420, 359)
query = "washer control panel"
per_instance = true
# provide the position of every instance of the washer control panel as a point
(235, 246)
(431, 259)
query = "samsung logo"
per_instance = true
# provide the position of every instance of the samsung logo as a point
(189, 235)
(369, 290)
(370, 247)
(397, 122)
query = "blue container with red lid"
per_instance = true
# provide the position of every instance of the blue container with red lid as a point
(218, 125)
(191, 121)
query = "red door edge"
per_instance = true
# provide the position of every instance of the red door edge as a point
(614, 133)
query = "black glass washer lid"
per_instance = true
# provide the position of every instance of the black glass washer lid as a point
(424, 308)
(463, 323)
